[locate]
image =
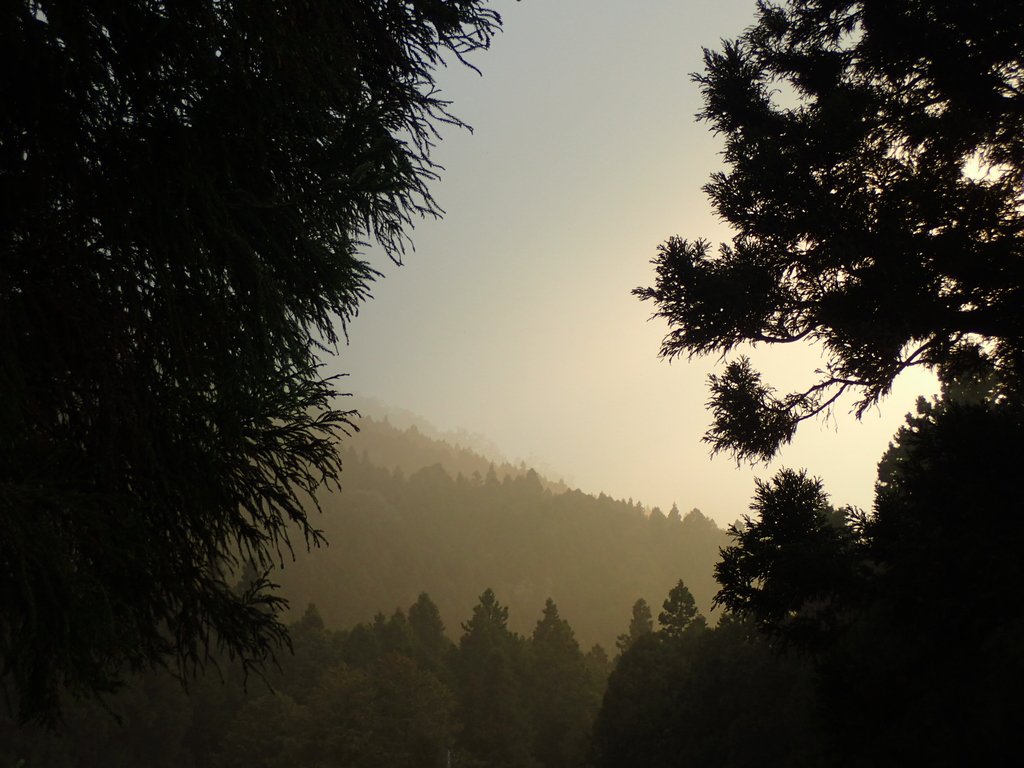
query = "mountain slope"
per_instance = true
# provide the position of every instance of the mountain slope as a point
(394, 533)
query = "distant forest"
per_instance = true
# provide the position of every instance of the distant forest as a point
(465, 613)
(397, 692)
(420, 514)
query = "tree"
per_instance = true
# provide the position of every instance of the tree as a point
(640, 623)
(496, 728)
(942, 633)
(679, 612)
(559, 697)
(794, 568)
(910, 615)
(875, 163)
(188, 190)
(432, 647)
(716, 697)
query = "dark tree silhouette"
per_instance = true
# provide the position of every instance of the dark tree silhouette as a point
(910, 614)
(875, 163)
(792, 568)
(496, 725)
(558, 698)
(641, 623)
(679, 612)
(186, 189)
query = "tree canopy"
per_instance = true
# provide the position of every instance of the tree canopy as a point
(910, 614)
(874, 155)
(187, 189)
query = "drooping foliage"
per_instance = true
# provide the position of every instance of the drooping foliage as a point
(874, 178)
(186, 190)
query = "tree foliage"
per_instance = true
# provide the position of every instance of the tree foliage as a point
(910, 614)
(496, 724)
(874, 180)
(706, 697)
(187, 188)
(679, 612)
(794, 567)
(641, 623)
(560, 699)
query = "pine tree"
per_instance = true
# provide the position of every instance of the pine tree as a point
(496, 724)
(679, 612)
(641, 623)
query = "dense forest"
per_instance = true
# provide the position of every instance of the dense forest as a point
(397, 691)
(503, 556)
(417, 514)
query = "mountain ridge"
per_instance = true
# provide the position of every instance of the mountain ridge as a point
(418, 514)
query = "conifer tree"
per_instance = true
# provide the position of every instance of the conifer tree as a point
(679, 612)
(641, 623)
(558, 692)
(496, 725)
(874, 156)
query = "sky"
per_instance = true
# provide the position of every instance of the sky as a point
(513, 318)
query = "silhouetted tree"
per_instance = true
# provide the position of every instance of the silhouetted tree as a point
(558, 693)
(875, 162)
(710, 697)
(599, 666)
(941, 627)
(674, 516)
(432, 648)
(679, 612)
(187, 189)
(910, 615)
(496, 730)
(794, 567)
(641, 623)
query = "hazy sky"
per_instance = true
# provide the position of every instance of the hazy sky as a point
(514, 317)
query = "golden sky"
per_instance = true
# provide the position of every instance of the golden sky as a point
(513, 318)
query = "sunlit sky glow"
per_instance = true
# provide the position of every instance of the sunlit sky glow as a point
(513, 318)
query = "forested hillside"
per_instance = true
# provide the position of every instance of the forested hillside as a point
(398, 439)
(394, 692)
(463, 613)
(418, 514)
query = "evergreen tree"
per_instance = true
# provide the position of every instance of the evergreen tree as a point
(674, 515)
(431, 646)
(599, 666)
(679, 612)
(558, 692)
(794, 568)
(641, 623)
(717, 697)
(187, 189)
(875, 163)
(496, 730)
(396, 636)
